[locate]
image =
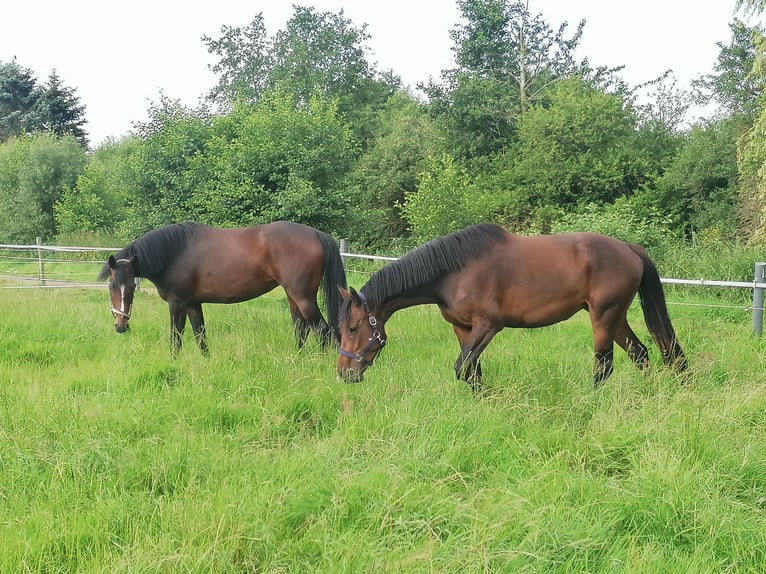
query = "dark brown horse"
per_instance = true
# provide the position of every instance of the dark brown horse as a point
(191, 264)
(484, 279)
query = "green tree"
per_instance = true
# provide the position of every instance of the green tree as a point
(278, 159)
(699, 188)
(18, 95)
(317, 52)
(60, 111)
(389, 168)
(733, 85)
(161, 179)
(34, 173)
(579, 149)
(98, 202)
(506, 59)
(26, 107)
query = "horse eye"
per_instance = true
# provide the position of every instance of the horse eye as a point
(353, 329)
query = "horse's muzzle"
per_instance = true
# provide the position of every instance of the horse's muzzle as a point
(121, 327)
(351, 375)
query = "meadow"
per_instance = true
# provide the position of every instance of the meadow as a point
(115, 458)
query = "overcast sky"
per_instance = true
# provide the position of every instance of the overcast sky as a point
(119, 57)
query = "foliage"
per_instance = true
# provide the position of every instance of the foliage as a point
(316, 52)
(447, 200)
(506, 60)
(26, 107)
(278, 159)
(34, 173)
(580, 149)
(389, 168)
(623, 220)
(733, 85)
(698, 189)
(99, 199)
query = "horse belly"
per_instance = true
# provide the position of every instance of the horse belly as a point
(222, 289)
(541, 314)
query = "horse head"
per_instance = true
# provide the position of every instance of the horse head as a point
(123, 274)
(362, 336)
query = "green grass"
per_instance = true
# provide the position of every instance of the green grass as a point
(115, 458)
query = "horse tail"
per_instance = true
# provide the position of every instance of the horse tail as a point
(656, 315)
(333, 274)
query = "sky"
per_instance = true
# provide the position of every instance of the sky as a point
(119, 58)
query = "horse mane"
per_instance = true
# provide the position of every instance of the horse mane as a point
(431, 261)
(157, 249)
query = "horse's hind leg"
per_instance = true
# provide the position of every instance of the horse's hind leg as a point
(197, 320)
(300, 324)
(636, 350)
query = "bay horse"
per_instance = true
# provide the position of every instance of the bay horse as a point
(190, 264)
(484, 279)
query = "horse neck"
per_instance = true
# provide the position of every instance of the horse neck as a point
(411, 298)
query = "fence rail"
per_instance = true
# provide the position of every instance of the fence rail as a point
(40, 256)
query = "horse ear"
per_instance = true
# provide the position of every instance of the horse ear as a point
(344, 293)
(111, 261)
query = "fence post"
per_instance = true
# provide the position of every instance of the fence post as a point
(40, 260)
(760, 271)
(343, 249)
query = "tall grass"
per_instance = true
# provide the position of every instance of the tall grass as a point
(115, 458)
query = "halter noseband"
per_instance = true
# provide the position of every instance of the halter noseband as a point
(376, 337)
(121, 313)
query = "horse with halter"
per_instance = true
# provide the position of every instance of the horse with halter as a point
(484, 279)
(191, 264)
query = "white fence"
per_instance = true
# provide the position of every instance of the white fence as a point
(18, 269)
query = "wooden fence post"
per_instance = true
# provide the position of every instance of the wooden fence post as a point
(760, 272)
(343, 249)
(40, 261)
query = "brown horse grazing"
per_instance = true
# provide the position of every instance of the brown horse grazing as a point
(484, 279)
(191, 264)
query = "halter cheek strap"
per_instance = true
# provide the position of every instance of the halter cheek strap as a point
(376, 337)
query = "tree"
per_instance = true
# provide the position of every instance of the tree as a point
(34, 173)
(59, 110)
(18, 95)
(26, 107)
(734, 86)
(389, 169)
(579, 149)
(698, 188)
(100, 199)
(277, 159)
(317, 52)
(506, 59)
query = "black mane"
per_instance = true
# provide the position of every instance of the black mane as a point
(156, 249)
(431, 261)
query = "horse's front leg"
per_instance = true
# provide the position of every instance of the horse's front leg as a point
(197, 320)
(472, 341)
(605, 325)
(177, 326)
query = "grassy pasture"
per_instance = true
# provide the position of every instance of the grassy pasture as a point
(114, 458)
